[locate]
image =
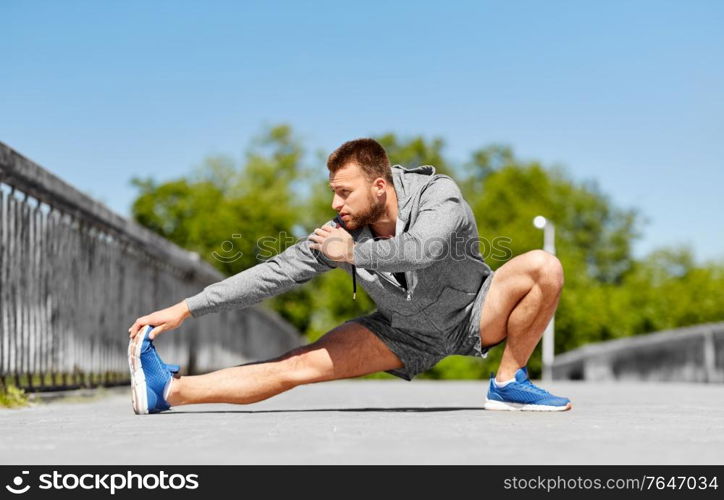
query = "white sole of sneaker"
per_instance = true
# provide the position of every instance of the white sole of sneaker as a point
(491, 404)
(139, 396)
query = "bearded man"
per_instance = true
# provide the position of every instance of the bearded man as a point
(410, 240)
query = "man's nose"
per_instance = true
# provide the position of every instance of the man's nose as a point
(337, 203)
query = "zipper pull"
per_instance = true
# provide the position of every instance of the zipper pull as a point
(354, 282)
(409, 296)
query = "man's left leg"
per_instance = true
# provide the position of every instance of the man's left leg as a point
(521, 300)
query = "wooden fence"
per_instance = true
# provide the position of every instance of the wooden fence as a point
(74, 276)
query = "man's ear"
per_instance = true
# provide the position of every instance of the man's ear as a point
(380, 184)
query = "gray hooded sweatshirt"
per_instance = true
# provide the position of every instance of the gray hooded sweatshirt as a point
(435, 245)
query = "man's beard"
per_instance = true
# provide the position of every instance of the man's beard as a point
(373, 213)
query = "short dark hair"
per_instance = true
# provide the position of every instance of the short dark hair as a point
(367, 153)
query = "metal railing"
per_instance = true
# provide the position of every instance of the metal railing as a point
(74, 276)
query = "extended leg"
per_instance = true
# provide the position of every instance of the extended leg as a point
(522, 298)
(350, 350)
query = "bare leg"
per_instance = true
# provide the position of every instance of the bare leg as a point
(350, 350)
(522, 298)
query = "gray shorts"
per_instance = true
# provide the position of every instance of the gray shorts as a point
(420, 352)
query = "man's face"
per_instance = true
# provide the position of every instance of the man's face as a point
(355, 197)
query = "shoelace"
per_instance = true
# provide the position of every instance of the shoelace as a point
(534, 388)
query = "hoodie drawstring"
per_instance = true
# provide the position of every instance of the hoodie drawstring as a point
(354, 282)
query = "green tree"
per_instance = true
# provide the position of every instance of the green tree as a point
(227, 212)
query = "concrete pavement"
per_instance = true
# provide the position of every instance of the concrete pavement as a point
(380, 422)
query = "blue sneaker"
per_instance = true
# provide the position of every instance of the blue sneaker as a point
(522, 395)
(149, 375)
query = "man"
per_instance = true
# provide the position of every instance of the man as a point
(411, 241)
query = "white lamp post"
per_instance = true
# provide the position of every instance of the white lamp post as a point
(549, 245)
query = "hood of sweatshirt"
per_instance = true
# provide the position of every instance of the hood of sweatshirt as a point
(409, 184)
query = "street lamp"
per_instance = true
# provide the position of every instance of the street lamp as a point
(549, 245)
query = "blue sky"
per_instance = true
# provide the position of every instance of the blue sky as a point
(629, 94)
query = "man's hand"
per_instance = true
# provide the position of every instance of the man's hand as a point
(334, 242)
(163, 320)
